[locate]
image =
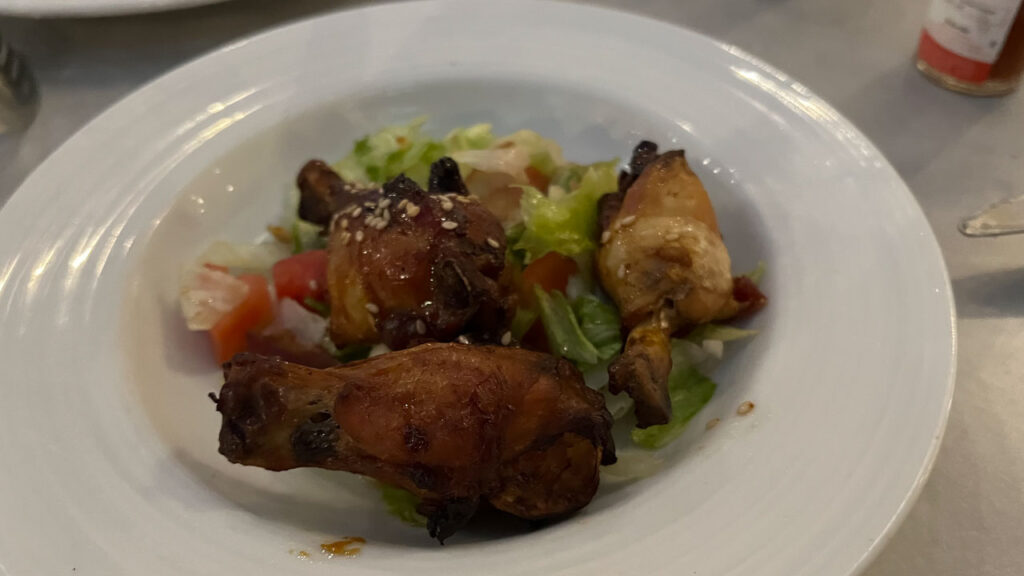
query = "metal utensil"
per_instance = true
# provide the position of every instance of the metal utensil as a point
(19, 95)
(997, 219)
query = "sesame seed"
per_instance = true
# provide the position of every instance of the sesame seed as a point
(462, 340)
(345, 237)
(412, 210)
(447, 205)
(402, 203)
(745, 408)
(621, 272)
(493, 243)
(359, 235)
(606, 236)
(628, 220)
(387, 215)
(672, 237)
(370, 219)
(463, 199)
(380, 224)
(312, 285)
(449, 225)
(385, 203)
(357, 212)
(348, 208)
(372, 308)
(506, 338)
(421, 327)
(344, 223)
(712, 423)
(370, 204)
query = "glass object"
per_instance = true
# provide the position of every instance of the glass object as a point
(975, 47)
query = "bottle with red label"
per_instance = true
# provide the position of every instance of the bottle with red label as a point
(973, 46)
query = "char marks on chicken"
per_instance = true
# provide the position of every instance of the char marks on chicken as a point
(407, 265)
(456, 425)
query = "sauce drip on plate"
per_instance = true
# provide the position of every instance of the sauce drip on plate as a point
(350, 546)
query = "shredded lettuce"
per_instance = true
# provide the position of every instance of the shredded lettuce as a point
(306, 236)
(600, 324)
(394, 150)
(565, 337)
(719, 332)
(586, 331)
(756, 274)
(401, 504)
(512, 155)
(689, 391)
(564, 221)
(475, 137)
(243, 257)
(522, 321)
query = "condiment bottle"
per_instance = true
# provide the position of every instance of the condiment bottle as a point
(973, 46)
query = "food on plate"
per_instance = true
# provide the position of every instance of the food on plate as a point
(456, 425)
(464, 319)
(662, 260)
(407, 266)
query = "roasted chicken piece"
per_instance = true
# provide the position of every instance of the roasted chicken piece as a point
(408, 266)
(456, 425)
(663, 262)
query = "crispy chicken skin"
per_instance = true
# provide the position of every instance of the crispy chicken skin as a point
(407, 265)
(666, 267)
(456, 425)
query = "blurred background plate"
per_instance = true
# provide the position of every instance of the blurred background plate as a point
(72, 8)
(109, 441)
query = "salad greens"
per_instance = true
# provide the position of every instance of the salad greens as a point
(689, 391)
(565, 336)
(600, 324)
(391, 151)
(401, 504)
(565, 220)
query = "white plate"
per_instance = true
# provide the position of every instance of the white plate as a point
(109, 442)
(66, 8)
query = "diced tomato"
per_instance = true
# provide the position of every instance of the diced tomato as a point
(536, 178)
(551, 272)
(302, 276)
(254, 313)
(749, 295)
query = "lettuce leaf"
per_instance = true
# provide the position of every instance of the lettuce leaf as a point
(600, 324)
(475, 137)
(565, 222)
(401, 504)
(719, 332)
(689, 391)
(756, 274)
(565, 337)
(394, 150)
(511, 155)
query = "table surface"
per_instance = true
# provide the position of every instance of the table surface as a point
(957, 153)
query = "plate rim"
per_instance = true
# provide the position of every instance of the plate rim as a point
(909, 499)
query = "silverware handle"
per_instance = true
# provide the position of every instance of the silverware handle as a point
(19, 95)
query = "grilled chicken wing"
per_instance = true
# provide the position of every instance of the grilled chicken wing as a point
(407, 266)
(454, 424)
(665, 265)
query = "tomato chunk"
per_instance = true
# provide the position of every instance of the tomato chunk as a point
(228, 335)
(302, 276)
(551, 272)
